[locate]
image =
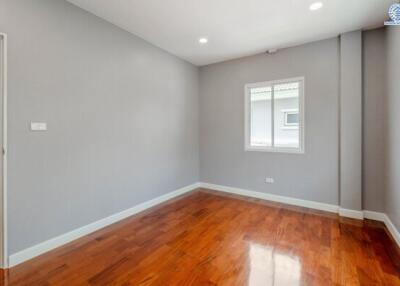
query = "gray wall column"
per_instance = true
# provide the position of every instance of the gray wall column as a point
(392, 130)
(351, 121)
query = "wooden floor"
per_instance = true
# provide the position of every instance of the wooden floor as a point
(209, 238)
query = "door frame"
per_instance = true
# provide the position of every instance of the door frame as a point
(3, 192)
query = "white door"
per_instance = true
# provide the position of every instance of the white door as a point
(3, 104)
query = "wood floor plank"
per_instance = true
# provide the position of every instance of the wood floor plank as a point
(212, 238)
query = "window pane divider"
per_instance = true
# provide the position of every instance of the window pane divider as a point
(282, 148)
(272, 116)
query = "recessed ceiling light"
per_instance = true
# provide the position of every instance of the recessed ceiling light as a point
(203, 40)
(316, 5)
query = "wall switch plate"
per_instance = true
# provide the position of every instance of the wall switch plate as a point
(269, 180)
(38, 126)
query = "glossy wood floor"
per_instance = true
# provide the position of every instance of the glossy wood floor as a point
(210, 238)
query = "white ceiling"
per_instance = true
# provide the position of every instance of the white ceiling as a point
(235, 28)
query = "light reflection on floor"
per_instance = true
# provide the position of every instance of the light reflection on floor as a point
(271, 267)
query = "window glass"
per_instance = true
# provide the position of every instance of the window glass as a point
(286, 98)
(260, 117)
(274, 116)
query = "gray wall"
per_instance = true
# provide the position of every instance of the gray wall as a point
(122, 118)
(374, 92)
(311, 176)
(392, 163)
(223, 160)
(381, 71)
(351, 120)
(123, 121)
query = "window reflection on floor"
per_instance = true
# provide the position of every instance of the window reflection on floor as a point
(271, 267)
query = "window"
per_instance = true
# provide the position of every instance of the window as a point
(291, 118)
(275, 116)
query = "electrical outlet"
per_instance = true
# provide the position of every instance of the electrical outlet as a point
(269, 180)
(38, 126)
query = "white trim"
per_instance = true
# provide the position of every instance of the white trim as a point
(301, 111)
(351, 213)
(392, 229)
(388, 223)
(53, 243)
(374, 216)
(312, 205)
(274, 198)
(4, 230)
(58, 241)
(275, 150)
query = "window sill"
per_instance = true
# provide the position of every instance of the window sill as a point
(275, 150)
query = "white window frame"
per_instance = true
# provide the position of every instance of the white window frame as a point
(3, 189)
(301, 125)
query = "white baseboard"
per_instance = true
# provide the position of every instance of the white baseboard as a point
(374, 216)
(58, 241)
(351, 213)
(386, 220)
(53, 243)
(392, 229)
(312, 205)
(274, 198)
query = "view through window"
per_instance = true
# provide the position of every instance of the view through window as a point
(274, 116)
